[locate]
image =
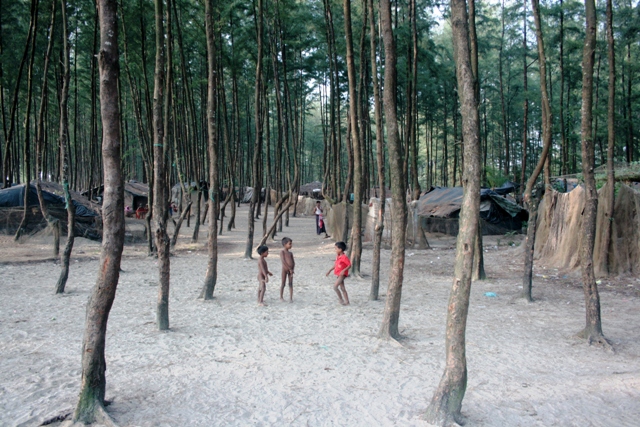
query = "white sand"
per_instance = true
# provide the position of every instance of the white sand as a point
(313, 362)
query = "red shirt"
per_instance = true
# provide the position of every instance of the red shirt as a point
(342, 262)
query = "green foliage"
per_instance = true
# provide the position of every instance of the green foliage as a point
(495, 177)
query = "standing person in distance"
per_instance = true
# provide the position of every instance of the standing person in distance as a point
(320, 227)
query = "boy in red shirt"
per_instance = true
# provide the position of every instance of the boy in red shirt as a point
(341, 269)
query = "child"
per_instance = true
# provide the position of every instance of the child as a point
(263, 273)
(320, 226)
(341, 269)
(288, 264)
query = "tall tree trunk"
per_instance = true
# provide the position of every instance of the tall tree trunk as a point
(211, 275)
(505, 128)
(7, 172)
(446, 403)
(27, 129)
(611, 141)
(64, 153)
(413, 140)
(525, 108)
(478, 261)
(546, 139)
(53, 223)
(90, 407)
(389, 326)
(629, 148)
(257, 185)
(379, 226)
(593, 328)
(564, 169)
(159, 173)
(356, 227)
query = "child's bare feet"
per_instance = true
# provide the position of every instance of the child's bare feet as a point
(261, 304)
(281, 299)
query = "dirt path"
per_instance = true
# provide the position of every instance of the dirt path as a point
(313, 362)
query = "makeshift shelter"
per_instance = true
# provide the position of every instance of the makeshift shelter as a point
(311, 189)
(560, 220)
(439, 210)
(88, 221)
(136, 194)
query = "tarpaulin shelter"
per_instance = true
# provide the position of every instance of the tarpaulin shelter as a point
(136, 194)
(439, 210)
(88, 218)
(559, 231)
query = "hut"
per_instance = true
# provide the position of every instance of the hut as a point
(88, 221)
(439, 210)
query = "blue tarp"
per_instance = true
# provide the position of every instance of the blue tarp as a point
(14, 197)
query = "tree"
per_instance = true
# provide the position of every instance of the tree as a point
(389, 327)
(593, 329)
(611, 137)
(64, 153)
(446, 402)
(160, 187)
(90, 407)
(259, 115)
(379, 227)
(546, 137)
(212, 132)
(356, 228)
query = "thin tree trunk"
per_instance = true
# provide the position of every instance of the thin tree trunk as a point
(564, 170)
(546, 138)
(90, 407)
(160, 175)
(446, 403)
(593, 328)
(178, 224)
(530, 241)
(53, 223)
(611, 140)
(379, 226)
(389, 326)
(211, 275)
(64, 154)
(27, 130)
(7, 172)
(505, 129)
(258, 142)
(525, 118)
(478, 261)
(413, 140)
(356, 228)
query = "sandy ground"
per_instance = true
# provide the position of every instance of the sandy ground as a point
(312, 362)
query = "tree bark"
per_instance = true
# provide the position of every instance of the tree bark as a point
(258, 137)
(64, 154)
(53, 223)
(211, 275)
(478, 262)
(160, 175)
(446, 403)
(389, 326)
(379, 226)
(90, 407)
(356, 227)
(611, 140)
(593, 328)
(546, 137)
(27, 127)
(529, 243)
